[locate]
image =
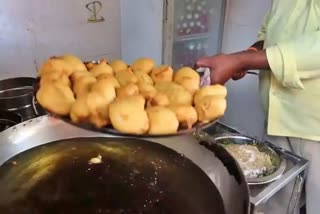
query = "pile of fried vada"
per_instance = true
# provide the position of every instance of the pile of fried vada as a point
(140, 98)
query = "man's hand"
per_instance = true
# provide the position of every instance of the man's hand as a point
(226, 66)
(223, 67)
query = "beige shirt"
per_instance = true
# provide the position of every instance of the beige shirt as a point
(290, 93)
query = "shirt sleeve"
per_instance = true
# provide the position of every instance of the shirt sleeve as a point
(295, 60)
(263, 29)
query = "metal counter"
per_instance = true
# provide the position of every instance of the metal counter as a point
(46, 129)
(295, 172)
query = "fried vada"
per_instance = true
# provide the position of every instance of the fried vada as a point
(177, 94)
(210, 108)
(56, 98)
(187, 115)
(162, 73)
(214, 90)
(188, 78)
(127, 90)
(143, 64)
(162, 121)
(118, 65)
(127, 116)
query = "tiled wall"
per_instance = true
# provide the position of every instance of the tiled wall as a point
(243, 20)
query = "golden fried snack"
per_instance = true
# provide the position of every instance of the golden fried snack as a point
(143, 64)
(127, 90)
(109, 78)
(210, 108)
(106, 89)
(177, 94)
(59, 77)
(162, 73)
(100, 69)
(98, 107)
(125, 77)
(214, 90)
(77, 74)
(187, 115)
(55, 64)
(143, 77)
(146, 90)
(75, 62)
(80, 110)
(160, 99)
(118, 65)
(56, 98)
(127, 116)
(83, 85)
(188, 78)
(137, 100)
(162, 121)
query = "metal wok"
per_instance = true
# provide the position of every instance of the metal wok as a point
(218, 185)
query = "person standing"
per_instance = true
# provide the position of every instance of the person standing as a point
(288, 56)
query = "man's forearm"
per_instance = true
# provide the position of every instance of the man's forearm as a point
(251, 60)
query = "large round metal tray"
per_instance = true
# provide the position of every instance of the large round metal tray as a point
(279, 162)
(111, 130)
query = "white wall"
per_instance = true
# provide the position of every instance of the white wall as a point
(33, 30)
(243, 20)
(141, 29)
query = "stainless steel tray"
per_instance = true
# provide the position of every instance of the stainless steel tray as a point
(279, 162)
(295, 171)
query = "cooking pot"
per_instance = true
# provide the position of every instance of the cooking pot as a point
(16, 95)
(199, 181)
(9, 119)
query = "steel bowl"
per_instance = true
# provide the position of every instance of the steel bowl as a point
(279, 162)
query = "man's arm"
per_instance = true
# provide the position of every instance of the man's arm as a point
(290, 61)
(296, 59)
